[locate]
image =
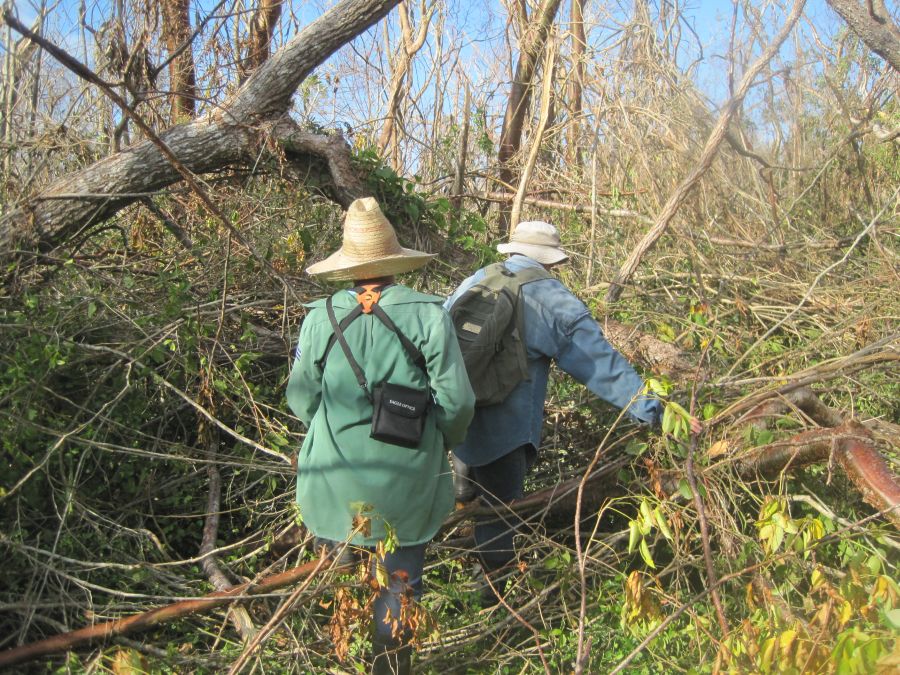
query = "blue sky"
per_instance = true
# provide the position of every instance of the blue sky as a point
(481, 25)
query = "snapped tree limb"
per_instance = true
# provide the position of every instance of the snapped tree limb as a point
(874, 25)
(710, 150)
(232, 134)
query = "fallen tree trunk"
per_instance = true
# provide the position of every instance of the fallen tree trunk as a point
(231, 134)
(155, 617)
(849, 444)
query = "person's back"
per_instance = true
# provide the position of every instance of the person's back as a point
(339, 459)
(557, 327)
(489, 321)
(360, 351)
(503, 439)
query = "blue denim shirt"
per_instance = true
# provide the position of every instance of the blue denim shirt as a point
(558, 327)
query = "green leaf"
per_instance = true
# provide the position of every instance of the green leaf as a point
(635, 448)
(873, 562)
(892, 618)
(278, 440)
(668, 421)
(777, 538)
(665, 332)
(645, 554)
(663, 525)
(678, 409)
(684, 489)
(633, 535)
(656, 387)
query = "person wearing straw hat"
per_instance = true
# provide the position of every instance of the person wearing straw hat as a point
(352, 487)
(503, 439)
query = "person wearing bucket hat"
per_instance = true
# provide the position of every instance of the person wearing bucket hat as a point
(502, 442)
(352, 485)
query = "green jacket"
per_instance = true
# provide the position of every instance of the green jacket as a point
(341, 472)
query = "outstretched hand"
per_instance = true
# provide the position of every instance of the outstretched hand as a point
(696, 425)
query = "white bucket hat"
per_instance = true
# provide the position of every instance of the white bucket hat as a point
(369, 249)
(537, 240)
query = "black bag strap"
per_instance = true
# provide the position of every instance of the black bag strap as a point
(339, 333)
(414, 354)
(346, 321)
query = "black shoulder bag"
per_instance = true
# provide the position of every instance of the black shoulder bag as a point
(398, 412)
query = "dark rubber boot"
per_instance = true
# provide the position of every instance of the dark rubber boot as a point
(390, 657)
(463, 487)
(495, 570)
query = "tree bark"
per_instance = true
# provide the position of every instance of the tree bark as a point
(850, 446)
(259, 42)
(231, 134)
(18, 53)
(537, 137)
(459, 172)
(409, 45)
(176, 27)
(155, 617)
(576, 81)
(872, 22)
(530, 46)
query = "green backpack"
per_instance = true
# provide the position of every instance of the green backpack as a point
(491, 332)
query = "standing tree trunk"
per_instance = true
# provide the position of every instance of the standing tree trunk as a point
(17, 53)
(459, 174)
(576, 82)
(530, 46)
(537, 137)
(409, 45)
(176, 26)
(259, 41)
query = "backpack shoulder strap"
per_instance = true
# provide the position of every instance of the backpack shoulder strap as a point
(366, 296)
(346, 321)
(529, 274)
(498, 275)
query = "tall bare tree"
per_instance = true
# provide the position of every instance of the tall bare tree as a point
(576, 79)
(530, 45)
(400, 68)
(176, 26)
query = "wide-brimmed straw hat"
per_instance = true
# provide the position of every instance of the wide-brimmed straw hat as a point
(370, 248)
(537, 240)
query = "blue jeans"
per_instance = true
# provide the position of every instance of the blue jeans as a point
(410, 560)
(499, 483)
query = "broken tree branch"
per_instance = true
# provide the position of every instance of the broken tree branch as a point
(710, 150)
(227, 136)
(155, 617)
(874, 25)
